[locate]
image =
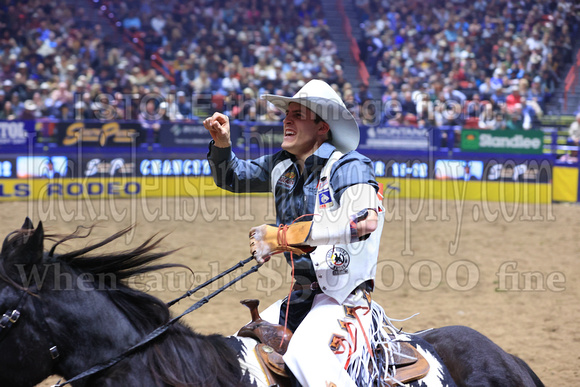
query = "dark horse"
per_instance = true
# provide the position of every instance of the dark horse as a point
(75, 310)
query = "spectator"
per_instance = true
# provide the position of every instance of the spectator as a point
(363, 94)
(30, 112)
(513, 99)
(151, 119)
(17, 104)
(409, 109)
(7, 88)
(485, 89)
(531, 113)
(500, 123)
(574, 131)
(487, 118)
(61, 96)
(515, 119)
(132, 21)
(535, 92)
(474, 107)
(499, 98)
(184, 105)
(82, 112)
(7, 113)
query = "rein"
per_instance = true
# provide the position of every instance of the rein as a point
(163, 328)
(210, 281)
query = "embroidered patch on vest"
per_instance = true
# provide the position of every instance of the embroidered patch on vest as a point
(287, 180)
(338, 260)
(349, 311)
(336, 342)
(324, 198)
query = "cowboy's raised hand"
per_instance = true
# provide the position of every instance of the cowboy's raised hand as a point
(218, 126)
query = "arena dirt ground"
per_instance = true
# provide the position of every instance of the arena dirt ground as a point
(441, 259)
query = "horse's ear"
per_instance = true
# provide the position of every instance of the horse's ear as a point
(23, 248)
(32, 250)
(35, 244)
(27, 224)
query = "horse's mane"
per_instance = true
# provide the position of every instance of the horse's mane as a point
(145, 312)
(113, 269)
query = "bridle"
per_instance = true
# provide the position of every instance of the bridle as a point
(12, 316)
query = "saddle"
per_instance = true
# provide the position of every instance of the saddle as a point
(273, 339)
(409, 365)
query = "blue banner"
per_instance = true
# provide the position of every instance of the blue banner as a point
(100, 134)
(183, 134)
(399, 137)
(16, 133)
(262, 137)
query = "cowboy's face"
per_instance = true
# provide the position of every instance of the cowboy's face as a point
(302, 133)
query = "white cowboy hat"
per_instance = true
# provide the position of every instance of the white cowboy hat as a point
(319, 97)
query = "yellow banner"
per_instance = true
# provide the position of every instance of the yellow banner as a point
(158, 186)
(565, 184)
(122, 187)
(493, 191)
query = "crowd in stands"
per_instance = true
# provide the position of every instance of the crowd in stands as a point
(490, 64)
(56, 62)
(500, 60)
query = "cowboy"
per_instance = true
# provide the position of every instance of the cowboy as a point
(326, 197)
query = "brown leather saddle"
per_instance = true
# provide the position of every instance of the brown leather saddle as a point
(273, 341)
(409, 365)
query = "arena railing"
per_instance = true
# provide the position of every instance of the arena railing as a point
(571, 79)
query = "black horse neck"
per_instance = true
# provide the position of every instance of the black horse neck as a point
(93, 324)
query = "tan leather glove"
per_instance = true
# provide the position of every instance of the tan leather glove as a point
(266, 240)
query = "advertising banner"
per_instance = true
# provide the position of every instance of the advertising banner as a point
(512, 141)
(96, 133)
(399, 137)
(526, 171)
(181, 134)
(264, 137)
(7, 167)
(16, 133)
(102, 166)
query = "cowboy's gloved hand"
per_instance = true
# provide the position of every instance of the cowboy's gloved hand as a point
(266, 240)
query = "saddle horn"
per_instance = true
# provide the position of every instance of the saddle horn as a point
(274, 335)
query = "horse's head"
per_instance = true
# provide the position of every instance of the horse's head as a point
(22, 346)
(69, 301)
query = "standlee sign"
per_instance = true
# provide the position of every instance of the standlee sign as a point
(512, 141)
